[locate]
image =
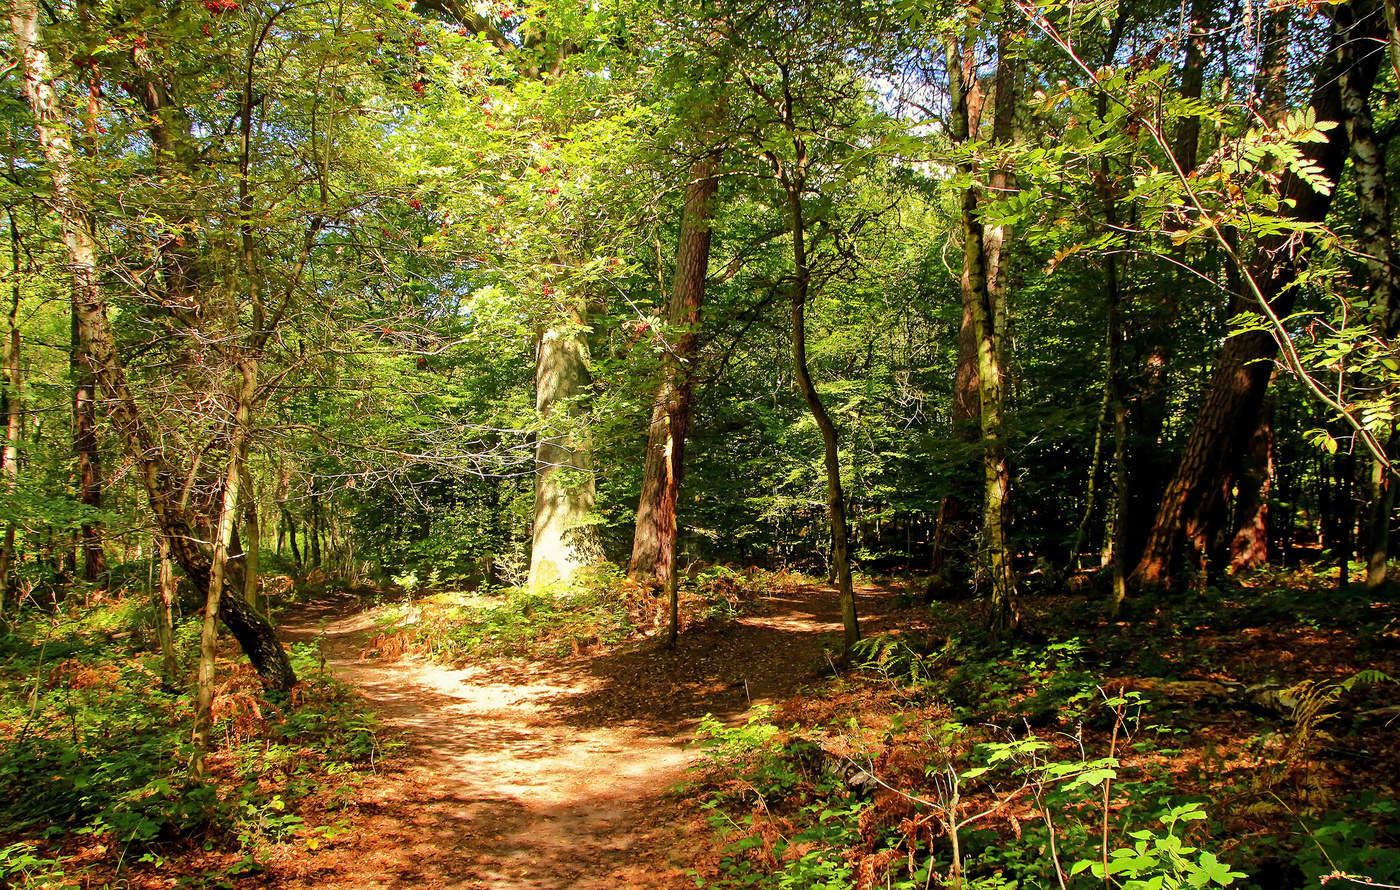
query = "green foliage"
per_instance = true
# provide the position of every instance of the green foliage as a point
(92, 744)
(515, 621)
(1159, 860)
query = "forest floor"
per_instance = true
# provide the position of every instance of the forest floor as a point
(542, 774)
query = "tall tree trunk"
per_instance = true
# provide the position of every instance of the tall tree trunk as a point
(792, 177)
(831, 455)
(563, 539)
(1231, 409)
(964, 414)
(654, 543)
(89, 460)
(979, 284)
(223, 536)
(966, 410)
(13, 383)
(1376, 243)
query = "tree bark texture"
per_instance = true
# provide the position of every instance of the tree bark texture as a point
(1249, 548)
(654, 543)
(1375, 241)
(563, 541)
(223, 536)
(13, 392)
(979, 282)
(966, 410)
(87, 456)
(1230, 412)
(158, 478)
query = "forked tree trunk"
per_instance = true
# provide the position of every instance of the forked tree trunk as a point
(1231, 409)
(563, 539)
(654, 543)
(966, 413)
(978, 285)
(158, 478)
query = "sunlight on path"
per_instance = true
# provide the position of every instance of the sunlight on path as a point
(497, 792)
(550, 775)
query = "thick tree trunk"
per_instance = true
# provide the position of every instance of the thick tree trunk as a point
(966, 412)
(949, 531)
(654, 543)
(1249, 548)
(1149, 469)
(1231, 409)
(563, 539)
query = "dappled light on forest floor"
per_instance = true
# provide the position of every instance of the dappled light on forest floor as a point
(535, 775)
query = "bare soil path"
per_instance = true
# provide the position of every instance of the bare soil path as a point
(554, 774)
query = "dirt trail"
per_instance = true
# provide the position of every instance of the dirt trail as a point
(548, 775)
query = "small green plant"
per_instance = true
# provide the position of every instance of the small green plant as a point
(1161, 860)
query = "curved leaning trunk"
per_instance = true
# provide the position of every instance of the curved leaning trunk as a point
(1191, 508)
(252, 631)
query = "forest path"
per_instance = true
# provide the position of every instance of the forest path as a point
(546, 775)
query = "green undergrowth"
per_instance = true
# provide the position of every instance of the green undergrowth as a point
(94, 749)
(836, 807)
(601, 607)
(1152, 753)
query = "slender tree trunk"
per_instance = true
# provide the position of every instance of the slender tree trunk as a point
(290, 524)
(563, 540)
(313, 528)
(1091, 489)
(792, 177)
(252, 537)
(13, 383)
(228, 515)
(165, 615)
(89, 460)
(1231, 409)
(654, 543)
(831, 455)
